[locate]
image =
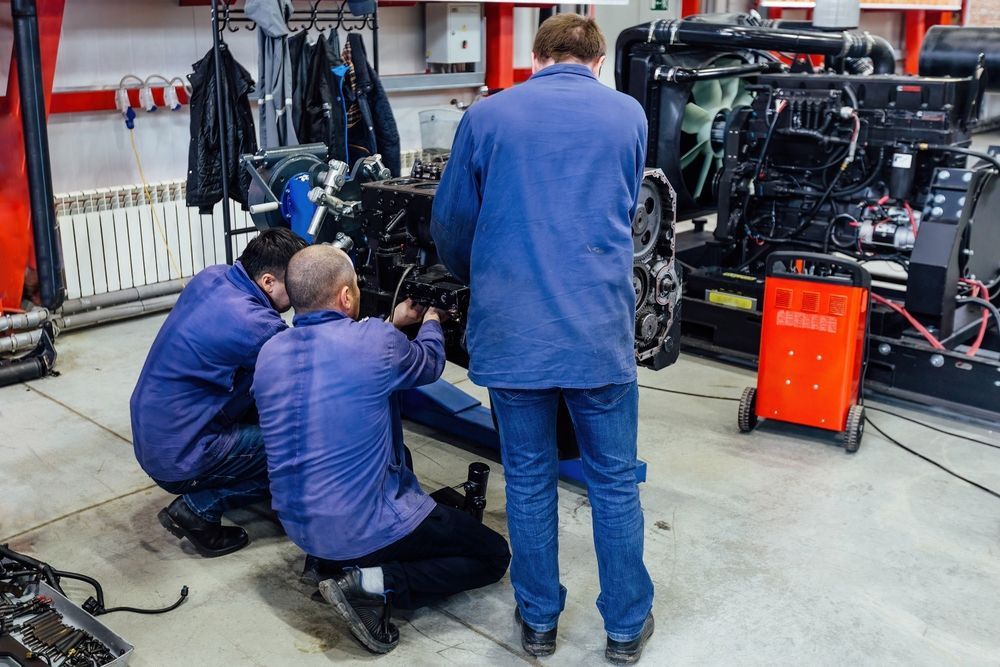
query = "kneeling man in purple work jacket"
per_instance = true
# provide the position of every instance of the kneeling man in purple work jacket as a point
(334, 440)
(193, 420)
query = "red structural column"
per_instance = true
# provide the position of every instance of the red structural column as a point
(689, 7)
(915, 29)
(500, 45)
(15, 222)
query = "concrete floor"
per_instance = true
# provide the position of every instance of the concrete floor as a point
(773, 548)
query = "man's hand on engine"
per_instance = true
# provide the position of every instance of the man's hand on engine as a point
(408, 313)
(437, 314)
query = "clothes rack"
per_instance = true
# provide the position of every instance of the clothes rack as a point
(225, 18)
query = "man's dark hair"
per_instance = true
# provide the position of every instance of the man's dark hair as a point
(569, 37)
(315, 277)
(270, 252)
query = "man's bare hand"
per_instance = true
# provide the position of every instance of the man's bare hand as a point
(437, 314)
(408, 313)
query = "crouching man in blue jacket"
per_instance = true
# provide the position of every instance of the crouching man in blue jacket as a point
(192, 414)
(334, 441)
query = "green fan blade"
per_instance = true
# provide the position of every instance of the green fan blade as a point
(694, 118)
(707, 94)
(730, 89)
(706, 164)
(689, 157)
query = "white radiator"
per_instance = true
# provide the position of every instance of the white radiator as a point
(111, 239)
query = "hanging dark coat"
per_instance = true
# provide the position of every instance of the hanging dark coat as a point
(370, 124)
(316, 122)
(204, 182)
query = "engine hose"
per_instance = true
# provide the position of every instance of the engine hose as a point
(963, 151)
(876, 170)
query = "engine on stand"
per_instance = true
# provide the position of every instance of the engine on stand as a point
(850, 160)
(384, 224)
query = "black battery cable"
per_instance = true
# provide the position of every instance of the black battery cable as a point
(887, 437)
(94, 605)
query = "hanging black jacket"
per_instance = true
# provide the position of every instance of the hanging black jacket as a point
(316, 122)
(371, 127)
(331, 110)
(204, 182)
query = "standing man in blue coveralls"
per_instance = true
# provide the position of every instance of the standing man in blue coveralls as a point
(534, 211)
(193, 419)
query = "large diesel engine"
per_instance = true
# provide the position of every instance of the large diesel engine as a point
(384, 224)
(846, 158)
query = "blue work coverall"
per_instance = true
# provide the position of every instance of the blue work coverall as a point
(192, 411)
(534, 210)
(335, 453)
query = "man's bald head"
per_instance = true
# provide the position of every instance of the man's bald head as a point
(321, 277)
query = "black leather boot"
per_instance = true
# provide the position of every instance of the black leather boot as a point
(534, 642)
(367, 615)
(210, 539)
(627, 653)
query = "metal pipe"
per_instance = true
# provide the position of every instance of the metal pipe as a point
(687, 75)
(727, 37)
(220, 107)
(18, 342)
(28, 320)
(119, 297)
(882, 55)
(44, 224)
(22, 371)
(115, 313)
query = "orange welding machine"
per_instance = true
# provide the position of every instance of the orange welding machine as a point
(812, 345)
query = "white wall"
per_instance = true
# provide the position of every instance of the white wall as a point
(102, 40)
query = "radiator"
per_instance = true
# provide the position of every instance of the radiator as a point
(111, 239)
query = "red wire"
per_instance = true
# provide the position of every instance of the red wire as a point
(979, 289)
(913, 220)
(935, 343)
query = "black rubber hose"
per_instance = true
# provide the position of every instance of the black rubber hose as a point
(963, 151)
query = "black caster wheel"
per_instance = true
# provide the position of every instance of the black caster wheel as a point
(855, 428)
(747, 416)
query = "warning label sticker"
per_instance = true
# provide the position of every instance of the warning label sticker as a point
(811, 321)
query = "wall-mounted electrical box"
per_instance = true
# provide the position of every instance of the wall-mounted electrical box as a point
(454, 32)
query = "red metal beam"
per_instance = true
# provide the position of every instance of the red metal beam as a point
(15, 221)
(689, 7)
(500, 45)
(81, 101)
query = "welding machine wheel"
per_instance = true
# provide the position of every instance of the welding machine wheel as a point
(855, 428)
(746, 419)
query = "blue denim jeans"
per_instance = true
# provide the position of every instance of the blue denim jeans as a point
(237, 480)
(606, 423)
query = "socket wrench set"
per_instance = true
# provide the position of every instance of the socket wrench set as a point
(41, 627)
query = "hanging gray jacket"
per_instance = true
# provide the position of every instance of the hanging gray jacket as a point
(274, 71)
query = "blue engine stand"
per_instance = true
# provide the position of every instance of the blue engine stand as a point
(445, 407)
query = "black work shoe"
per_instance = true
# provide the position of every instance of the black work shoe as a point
(627, 653)
(533, 642)
(311, 572)
(366, 614)
(209, 539)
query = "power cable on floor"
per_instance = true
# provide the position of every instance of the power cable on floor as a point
(930, 460)
(688, 393)
(935, 428)
(878, 430)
